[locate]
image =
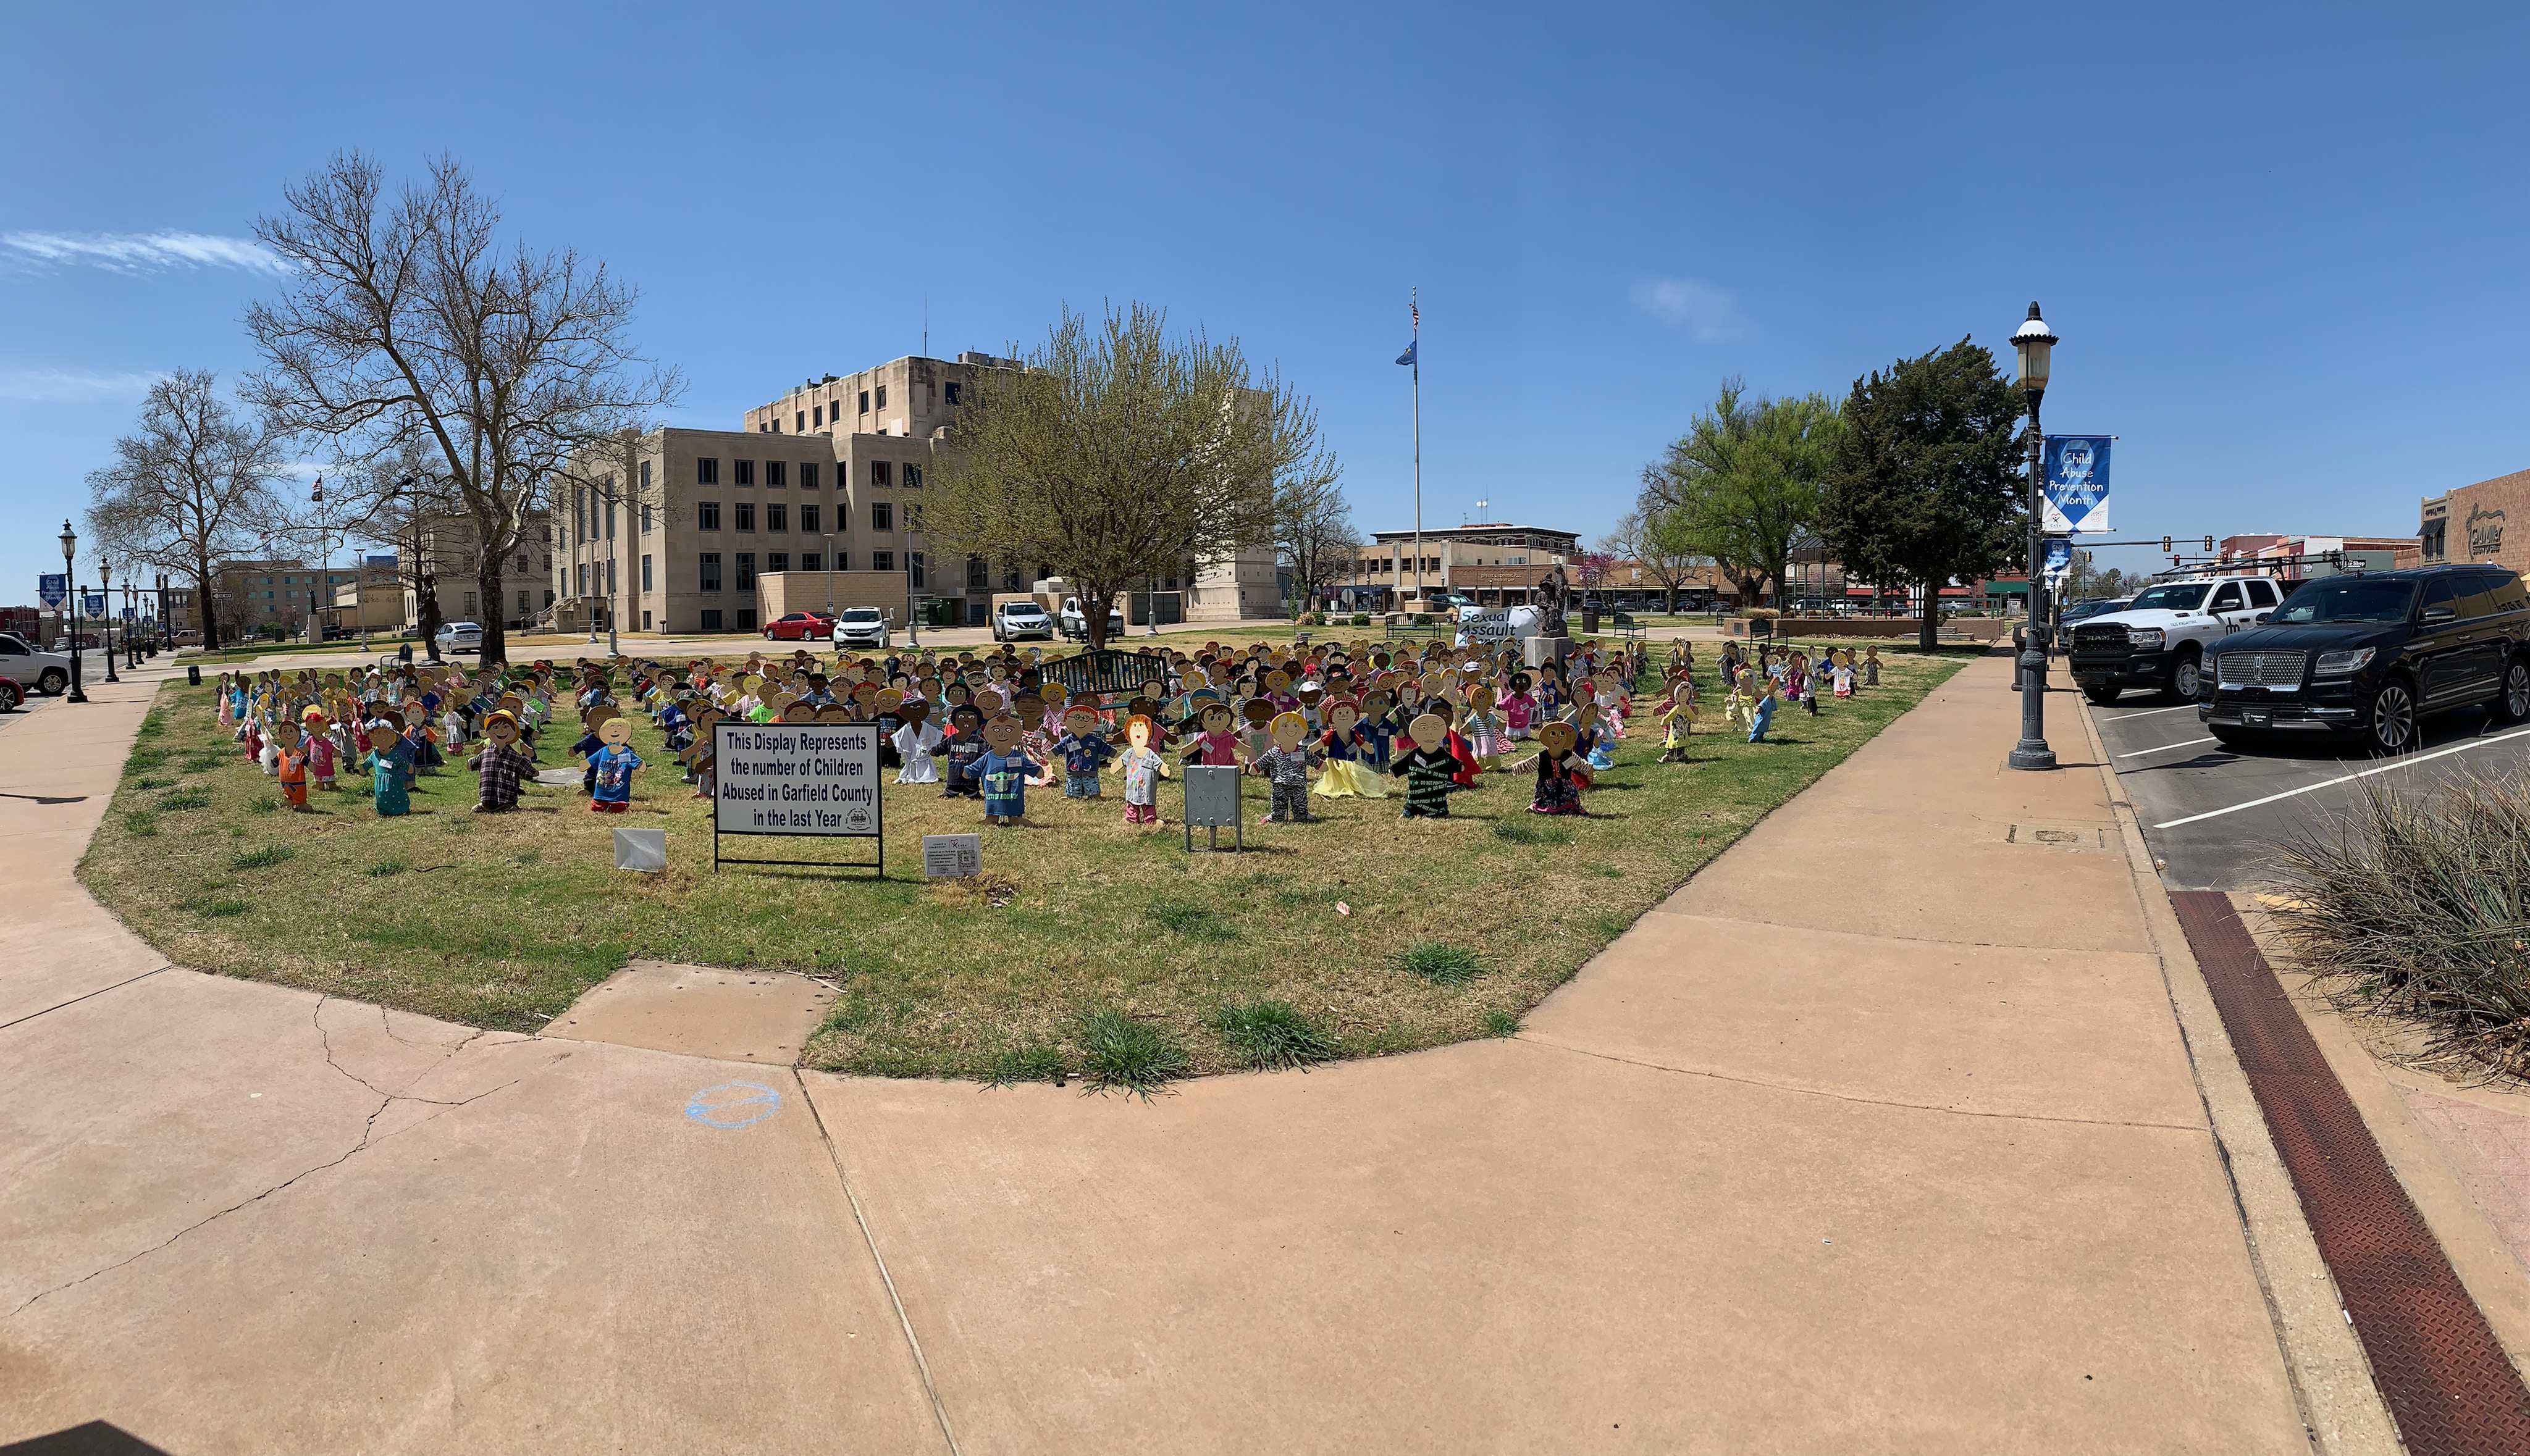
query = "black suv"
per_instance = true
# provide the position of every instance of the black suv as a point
(2373, 652)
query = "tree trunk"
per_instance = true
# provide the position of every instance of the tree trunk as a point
(487, 585)
(425, 613)
(202, 605)
(1093, 613)
(1927, 628)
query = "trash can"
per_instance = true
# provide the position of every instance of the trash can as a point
(404, 652)
(192, 675)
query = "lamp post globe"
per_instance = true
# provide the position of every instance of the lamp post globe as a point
(2034, 343)
(70, 586)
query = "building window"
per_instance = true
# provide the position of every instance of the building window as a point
(810, 561)
(706, 471)
(707, 516)
(645, 622)
(882, 560)
(777, 560)
(645, 520)
(808, 519)
(745, 570)
(469, 605)
(645, 476)
(711, 618)
(745, 513)
(954, 388)
(979, 574)
(523, 607)
(879, 472)
(773, 473)
(798, 423)
(747, 619)
(912, 516)
(777, 517)
(710, 561)
(584, 579)
(645, 572)
(882, 516)
(609, 505)
(912, 477)
(865, 402)
(843, 561)
(882, 396)
(816, 414)
(807, 474)
(913, 563)
(746, 472)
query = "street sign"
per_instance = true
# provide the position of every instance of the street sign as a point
(52, 589)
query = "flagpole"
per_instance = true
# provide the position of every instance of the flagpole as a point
(1415, 303)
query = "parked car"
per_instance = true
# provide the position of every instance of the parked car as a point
(2373, 653)
(1015, 621)
(799, 626)
(861, 627)
(2161, 639)
(1076, 627)
(49, 671)
(2084, 610)
(460, 637)
(12, 697)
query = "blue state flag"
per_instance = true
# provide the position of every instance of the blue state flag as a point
(1407, 357)
(2077, 483)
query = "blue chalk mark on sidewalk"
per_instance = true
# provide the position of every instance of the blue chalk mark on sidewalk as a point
(734, 1104)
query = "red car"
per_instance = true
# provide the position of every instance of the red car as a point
(799, 626)
(12, 697)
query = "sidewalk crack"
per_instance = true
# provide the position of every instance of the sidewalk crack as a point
(1844, 1097)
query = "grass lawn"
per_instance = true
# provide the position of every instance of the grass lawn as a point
(1450, 929)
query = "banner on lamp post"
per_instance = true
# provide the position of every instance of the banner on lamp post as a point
(2077, 483)
(2058, 560)
(53, 588)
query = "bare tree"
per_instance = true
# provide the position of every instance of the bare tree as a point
(406, 326)
(193, 484)
(1116, 454)
(1654, 539)
(1313, 533)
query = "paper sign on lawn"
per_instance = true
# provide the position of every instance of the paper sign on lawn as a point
(952, 857)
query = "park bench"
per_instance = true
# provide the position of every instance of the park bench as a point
(1628, 628)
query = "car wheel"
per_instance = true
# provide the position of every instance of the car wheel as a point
(2187, 676)
(2390, 722)
(53, 682)
(2103, 695)
(11, 699)
(2512, 704)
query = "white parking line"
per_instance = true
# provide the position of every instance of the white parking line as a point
(2148, 712)
(2165, 747)
(2400, 762)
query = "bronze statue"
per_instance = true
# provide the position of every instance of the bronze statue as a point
(1553, 592)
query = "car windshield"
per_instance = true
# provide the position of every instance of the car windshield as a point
(2347, 599)
(2175, 597)
(861, 614)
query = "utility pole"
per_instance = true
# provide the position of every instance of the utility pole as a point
(1414, 354)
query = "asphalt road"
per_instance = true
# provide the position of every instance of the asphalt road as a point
(2214, 815)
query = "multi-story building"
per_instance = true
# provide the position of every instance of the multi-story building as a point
(447, 549)
(2294, 557)
(1494, 562)
(2466, 523)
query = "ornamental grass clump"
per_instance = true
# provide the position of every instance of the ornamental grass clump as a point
(2418, 904)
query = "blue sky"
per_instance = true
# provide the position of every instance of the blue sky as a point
(2282, 244)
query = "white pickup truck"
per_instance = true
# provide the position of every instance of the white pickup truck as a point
(2162, 639)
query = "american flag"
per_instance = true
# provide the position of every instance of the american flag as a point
(1416, 309)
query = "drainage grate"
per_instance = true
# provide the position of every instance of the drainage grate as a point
(2445, 1379)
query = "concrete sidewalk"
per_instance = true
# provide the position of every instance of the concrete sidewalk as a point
(1880, 1135)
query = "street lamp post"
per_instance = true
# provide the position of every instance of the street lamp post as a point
(105, 589)
(70, 580)
(2033, 342)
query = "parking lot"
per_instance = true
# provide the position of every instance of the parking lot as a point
(2214, 815)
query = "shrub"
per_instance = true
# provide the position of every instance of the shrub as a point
(1264, 1034)
(1360, 619)
(1035, 1062)
(1439, 963)
(1120, 1053)
(259, 859)
(2418, 904)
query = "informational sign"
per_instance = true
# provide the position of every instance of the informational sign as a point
(53, 588)
(796, 778)
(2077, 483)
(952, 857)
(387, 561)
(2058, 559)
(1480, 624)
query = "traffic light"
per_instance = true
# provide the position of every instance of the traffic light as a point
(2164, 543)
(2209, 543)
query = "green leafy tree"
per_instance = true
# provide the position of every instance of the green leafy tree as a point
(1743, 484)
(1925, 485)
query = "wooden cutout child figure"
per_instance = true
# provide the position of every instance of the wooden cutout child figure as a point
(613, 764)
(1003, 771)
(291, 766)
(388, 762)
(1216, 744)
(1762, 716)
(1084, 751)
(917, 739)
(1844, 672)
(1871, 666)
(1143, 769)
(1488, 735)
(1561, 772)
(961, 748)
(320, 748)
(1427, 767)
(1346, 749)
(588, 745)
(499, 767)
(1286, 766)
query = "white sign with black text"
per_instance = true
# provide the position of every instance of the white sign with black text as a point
(796, 778)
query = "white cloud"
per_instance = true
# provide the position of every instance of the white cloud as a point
(142, 252)
(71, 386)
(1711, 313)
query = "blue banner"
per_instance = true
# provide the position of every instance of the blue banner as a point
(2058, 557)
(2077, 482)
(52, 589)
(92, 604)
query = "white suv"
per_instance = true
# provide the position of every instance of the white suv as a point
(46, 673)
(1012, 621)
(2163, 636)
